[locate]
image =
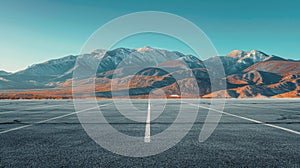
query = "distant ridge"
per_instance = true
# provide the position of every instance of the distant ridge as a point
(248, 74)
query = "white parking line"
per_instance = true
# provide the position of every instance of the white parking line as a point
(7, 112)
(248, 119)
(243, 105)
(50, 119)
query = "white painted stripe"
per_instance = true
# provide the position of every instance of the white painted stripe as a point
(248, 119)
(50, 119)
(285, 110)
(147, 137)
(7, 112)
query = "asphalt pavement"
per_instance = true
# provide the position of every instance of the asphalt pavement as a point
(251, 133)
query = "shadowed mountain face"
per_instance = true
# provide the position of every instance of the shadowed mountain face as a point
(139, 71)
(3, 73)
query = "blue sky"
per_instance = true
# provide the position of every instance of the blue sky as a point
(34, 31)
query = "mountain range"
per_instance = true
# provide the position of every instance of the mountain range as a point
(247, 74)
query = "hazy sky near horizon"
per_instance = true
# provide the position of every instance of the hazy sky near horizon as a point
(34, 31)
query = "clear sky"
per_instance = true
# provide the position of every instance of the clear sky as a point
(34, 31)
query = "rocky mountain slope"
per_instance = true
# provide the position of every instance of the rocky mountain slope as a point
(139, 71)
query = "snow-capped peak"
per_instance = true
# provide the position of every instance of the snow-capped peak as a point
(99, 51)
(255, 55)
(244, 57)
(145, 48)
(236, 54)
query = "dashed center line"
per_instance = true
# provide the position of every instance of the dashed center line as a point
(147, 129)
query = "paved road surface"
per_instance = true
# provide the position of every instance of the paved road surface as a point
(252, 133)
